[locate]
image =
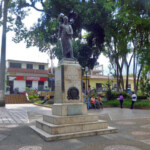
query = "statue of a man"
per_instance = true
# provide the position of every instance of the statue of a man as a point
(65, 33)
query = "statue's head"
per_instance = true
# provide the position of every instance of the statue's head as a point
(65, 19)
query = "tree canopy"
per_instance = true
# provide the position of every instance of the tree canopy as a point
(91, 16)
(117, 28)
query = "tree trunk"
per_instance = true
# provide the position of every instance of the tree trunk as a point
(127, 73)
(3, 56)
(138, 78)
(120, 67)
(134, 70)
(127, 77)
(118, 80)
(122, 81)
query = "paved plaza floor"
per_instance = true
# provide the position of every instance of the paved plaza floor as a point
(133, 130)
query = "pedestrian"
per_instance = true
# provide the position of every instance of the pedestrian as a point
(121, 100)
(88, 102)
(97, 103)
(100, 101)
(134, 98)
(93, 102)
(46, 99)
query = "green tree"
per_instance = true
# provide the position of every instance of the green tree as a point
(136, 15)
(91, 16)
(130, 26)
(145, 81)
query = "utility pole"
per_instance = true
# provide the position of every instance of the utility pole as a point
(3, 56)
(86, 71)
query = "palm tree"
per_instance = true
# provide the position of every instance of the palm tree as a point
(3, 56)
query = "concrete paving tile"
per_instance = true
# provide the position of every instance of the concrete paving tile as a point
(24, 136)
(147, 141)
(2, 137)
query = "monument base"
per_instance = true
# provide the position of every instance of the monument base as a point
(65, 127)
(69, 117)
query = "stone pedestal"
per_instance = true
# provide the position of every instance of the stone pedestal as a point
(69, 117)
(68, 90)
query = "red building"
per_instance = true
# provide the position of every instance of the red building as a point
(22, 74)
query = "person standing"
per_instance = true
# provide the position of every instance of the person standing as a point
(88, 102)
(121, 100)
(134, 98)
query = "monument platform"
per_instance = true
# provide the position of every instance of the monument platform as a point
(69, 117)
(57, 127)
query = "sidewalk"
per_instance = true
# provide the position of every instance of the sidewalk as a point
(133, 126)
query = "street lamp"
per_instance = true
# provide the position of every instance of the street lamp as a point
(86, 71)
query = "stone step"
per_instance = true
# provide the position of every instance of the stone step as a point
(70, 119)
(49, 137)
(70, 128)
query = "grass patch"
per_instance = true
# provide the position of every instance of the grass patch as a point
(40, 103)
(127, 103)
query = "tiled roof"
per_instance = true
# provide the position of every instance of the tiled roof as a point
(100, 77)
(20, 61)
(34, 71)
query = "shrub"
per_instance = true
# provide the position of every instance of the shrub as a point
(127, 103)
(115, 95)
(35, 96)
(38, 102)
(141, 97)
(109, 95)
(31, 97)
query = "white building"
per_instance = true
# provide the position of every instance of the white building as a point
(22, 74)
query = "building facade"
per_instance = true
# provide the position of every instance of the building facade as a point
(95, 79)
(24, 74)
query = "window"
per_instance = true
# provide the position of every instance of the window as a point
(51, 83)
(29, 66)
(114, 88)
(29, 84)
(40, 85)
(99, 87)
(115, 85)
(129, 85)
(41, 67)
(15, 65)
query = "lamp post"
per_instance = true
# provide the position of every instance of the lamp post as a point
(86, 71)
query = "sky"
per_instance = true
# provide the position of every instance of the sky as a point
(20, 52)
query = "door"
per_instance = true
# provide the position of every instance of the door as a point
(11, 85)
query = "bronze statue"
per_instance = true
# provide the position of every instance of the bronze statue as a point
(65, 33)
